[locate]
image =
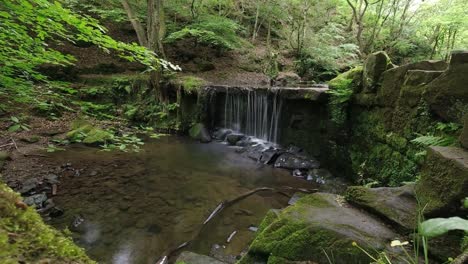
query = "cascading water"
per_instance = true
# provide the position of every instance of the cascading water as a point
(255, 113)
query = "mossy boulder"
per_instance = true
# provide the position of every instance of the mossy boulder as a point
(25, 238)
(447, 95)
(314, 224)
(349, 79)
(414, 86)
(464, 134)
(83, 131)
(395, 205)
(393, 80)
(200, 132)
(376, 64)
(444, 180)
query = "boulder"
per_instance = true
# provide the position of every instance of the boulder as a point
(444, 180)
(255, 152)
(233, 138)
(29, 185)
(221, 133)
(194, 258)
(36, 200)
(269, 156)
(376, 64)
(83, 131)
(464, 133)
(393, 80)
(292, 162)
(447, 95)
(319, 222)
(414, 86)
(200, 132)
(287, 79)
(394, 205)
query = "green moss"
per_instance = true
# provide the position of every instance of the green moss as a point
(195, 131)
(269, 218)
(25, 238)
(191, 84)
(443, 181)
(84, 132)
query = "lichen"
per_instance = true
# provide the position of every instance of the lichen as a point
(25, 238)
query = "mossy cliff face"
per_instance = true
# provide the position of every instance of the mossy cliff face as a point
(316, 226)
(24, 238)
(390, 106)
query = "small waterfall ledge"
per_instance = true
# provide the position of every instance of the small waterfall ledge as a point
(282, 115)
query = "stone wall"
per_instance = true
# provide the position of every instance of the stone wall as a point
(397, 105)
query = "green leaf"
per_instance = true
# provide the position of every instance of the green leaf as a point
(15, 119)
(439, 226)
(14, 128)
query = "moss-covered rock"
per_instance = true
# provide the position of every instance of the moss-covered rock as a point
(316, 224)
(376, 64)
(447, 95)
(24, 238)
(200, 132)
(393, 80)
(395, 205)
(444, 180)
(83, 131)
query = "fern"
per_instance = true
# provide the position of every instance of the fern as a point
(430, 140)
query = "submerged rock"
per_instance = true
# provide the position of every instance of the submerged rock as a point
(291, 161)
(319, 222)
(233, 138)
(200, 132)
(194, 258)
(396, 205)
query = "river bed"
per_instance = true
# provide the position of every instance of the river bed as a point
(136, 206)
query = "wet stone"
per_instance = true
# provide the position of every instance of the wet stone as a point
(232, 139)
(269, 156)
(51, 178)
(36, 200)
(78, 224)
(221, 134)
(291, 161)
(29, 185)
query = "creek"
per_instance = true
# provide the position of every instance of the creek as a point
(137, 206)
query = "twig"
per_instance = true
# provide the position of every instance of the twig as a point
(9, 144)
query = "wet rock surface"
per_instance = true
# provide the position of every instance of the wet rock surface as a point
(317, 221)
(394, 205)
(233, 138)
(194, 258)
(292, 161)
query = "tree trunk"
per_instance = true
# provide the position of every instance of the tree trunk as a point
(140, 32)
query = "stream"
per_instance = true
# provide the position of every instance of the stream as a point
(136, 206)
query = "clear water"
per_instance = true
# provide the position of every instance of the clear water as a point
(139, 205)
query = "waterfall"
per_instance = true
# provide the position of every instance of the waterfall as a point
(255, 113)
